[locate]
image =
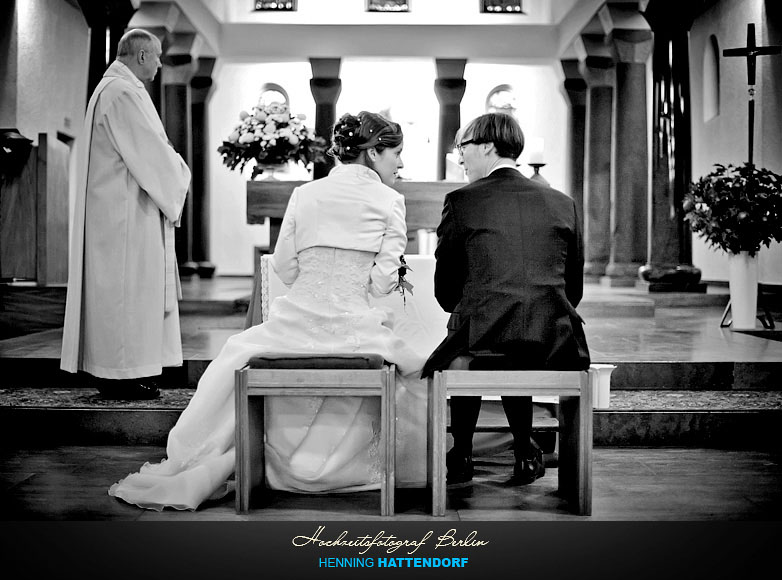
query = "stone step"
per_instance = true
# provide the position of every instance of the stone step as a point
(722, 419)
(26, 372)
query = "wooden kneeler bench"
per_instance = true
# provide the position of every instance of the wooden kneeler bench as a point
(307, 375)
(575, 391)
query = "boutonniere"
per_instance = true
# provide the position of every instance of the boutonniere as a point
(402, 283)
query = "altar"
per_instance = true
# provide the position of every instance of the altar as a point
(423, 202)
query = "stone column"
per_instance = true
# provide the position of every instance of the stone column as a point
(449, 88)
(669, 266)
(102, 16)
(158, 18)
(630, 159)
(575, 89)
(598, 71)
(200, 86)
(326, 87)
(177, 121)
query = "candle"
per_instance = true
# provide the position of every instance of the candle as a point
(536, 151)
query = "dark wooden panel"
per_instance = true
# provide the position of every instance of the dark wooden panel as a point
(18, 223)
(52, 246)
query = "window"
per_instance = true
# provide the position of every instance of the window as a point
(275, 5)
(502, 6)
(501, 99)
(711, 79)
(388, 5)
(272, 93)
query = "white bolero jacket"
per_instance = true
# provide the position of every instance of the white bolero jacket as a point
(349, 209)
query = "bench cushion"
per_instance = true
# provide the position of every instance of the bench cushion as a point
(316, 361)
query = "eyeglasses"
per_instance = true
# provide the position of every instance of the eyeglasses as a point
(460, 146)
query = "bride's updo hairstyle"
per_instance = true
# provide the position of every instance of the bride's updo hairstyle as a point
(353, 134)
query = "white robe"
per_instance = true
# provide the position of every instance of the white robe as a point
(121, 315)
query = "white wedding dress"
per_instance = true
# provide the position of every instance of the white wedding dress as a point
(313, 444)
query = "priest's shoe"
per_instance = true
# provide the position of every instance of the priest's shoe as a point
(128, 389)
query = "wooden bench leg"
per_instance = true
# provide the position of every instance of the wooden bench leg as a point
(567, 472)
(249, 445)
(436, 439)
(388, 442)
(575, 453)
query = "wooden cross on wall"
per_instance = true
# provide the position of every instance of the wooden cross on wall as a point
(751, 52)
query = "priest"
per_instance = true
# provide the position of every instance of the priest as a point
(121, 314)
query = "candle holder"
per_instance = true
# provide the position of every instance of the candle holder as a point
(536, 176)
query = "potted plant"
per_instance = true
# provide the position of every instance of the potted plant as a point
(738, 209)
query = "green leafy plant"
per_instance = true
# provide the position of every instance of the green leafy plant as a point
(736, 208)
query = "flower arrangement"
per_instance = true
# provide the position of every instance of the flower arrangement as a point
(271, 135)
(736, 208)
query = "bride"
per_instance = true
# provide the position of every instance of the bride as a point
(341, 239)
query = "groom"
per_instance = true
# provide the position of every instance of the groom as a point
(510, 263)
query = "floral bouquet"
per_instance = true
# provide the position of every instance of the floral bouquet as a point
(736, 208)
(270, 135)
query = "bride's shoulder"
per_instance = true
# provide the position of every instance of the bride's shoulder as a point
(388, 192)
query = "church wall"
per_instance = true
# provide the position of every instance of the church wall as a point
(723, 138)
(53, 47)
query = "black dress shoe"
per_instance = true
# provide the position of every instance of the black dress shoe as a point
(460, 468)
(128, 390)
(528, 470)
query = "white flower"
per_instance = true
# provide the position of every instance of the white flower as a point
(243, 115)
(301, 116)
(246, 138)
(233, 137)
(293, 140)
(269, 128)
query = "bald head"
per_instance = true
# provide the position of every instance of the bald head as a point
(140, 51)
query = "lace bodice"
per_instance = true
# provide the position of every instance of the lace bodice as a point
(333, 277)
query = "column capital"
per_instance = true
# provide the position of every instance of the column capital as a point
(181, 48)
(178, 75)
(658, 13)
(598, 76)
(631, 46)
(450, 68)
(449, 91)
(325, 68)
(574, 86)
(202, 79)
(325, 91)
(102, 13)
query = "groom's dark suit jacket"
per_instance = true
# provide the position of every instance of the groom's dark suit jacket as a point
(510, 265)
